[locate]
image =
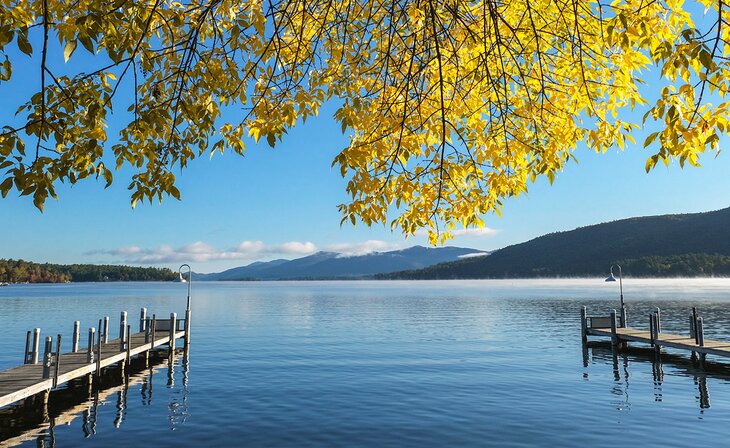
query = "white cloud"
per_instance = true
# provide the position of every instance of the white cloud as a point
(295, 247)
(353, 249)
(475, 232)
(201, 252)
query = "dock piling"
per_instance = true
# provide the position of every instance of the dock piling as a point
(105, 332)
(153, 325)
(624, 317)
(583, 324)
(129, 343)
(27, 347)
(658, 313)
(142, 319)
(36, 342)
(173, 325)
(98, 349)
(90, 347)
(122, 330)
(700, 332)
(75, 340)
(47, 354)
(56, 361)
(694, 319)
(614, 337)
(651, 329)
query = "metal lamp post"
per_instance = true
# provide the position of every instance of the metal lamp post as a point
(612, 278)
(187, 308)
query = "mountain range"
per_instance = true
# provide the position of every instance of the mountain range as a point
(696, 244)
(332, 265)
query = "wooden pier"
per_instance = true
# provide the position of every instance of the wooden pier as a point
(615, 327)
(34, 421)
(42, 374)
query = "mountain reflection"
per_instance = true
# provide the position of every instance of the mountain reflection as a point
(36, 418)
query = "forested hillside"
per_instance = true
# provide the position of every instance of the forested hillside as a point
(18, 271)
(655, 246)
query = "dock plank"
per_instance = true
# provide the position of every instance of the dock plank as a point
(710, 347)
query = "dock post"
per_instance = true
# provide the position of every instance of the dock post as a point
(75, 340)
(624, 317)
(27, 347)
(657, 328)
(173, 324)
(142, 319)
(651, 328)
(98, 351)
(614, 336)
(700, 332)
(694, 320)
(583, 325)
(122, 330)
(701, 339)
(47, 354)
(105, 332)
(36, 341)
(153, 329)
(90, 347)
(57, 361)
(129, 342)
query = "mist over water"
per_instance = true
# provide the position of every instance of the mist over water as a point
(431, 363)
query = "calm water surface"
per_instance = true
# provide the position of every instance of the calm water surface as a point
(469, 363)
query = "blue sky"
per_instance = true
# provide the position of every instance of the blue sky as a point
(282, 203)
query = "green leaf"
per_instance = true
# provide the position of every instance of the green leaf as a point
(706, 59)
(39, 200)
(69, 50)
(271, 140)
(86, 42)
(24, 45)
(108, 177)
(650, 138)
(5, 186)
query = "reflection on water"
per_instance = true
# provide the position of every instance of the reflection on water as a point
(389, 364)
(37, 417)
(597, 353)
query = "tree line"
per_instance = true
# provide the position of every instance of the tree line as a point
(21, 271)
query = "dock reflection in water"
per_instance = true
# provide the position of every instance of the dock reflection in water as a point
(37, 417)
(681, 364)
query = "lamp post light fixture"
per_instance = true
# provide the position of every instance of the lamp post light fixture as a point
(612, 278)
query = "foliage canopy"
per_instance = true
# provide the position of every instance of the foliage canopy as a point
(450, 106)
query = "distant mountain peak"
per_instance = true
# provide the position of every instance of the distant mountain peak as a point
(333, 265)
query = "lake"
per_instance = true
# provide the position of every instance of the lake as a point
(365, 363)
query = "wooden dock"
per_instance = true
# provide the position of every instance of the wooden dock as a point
(40, 424)
(614, 326)
(42, 374)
